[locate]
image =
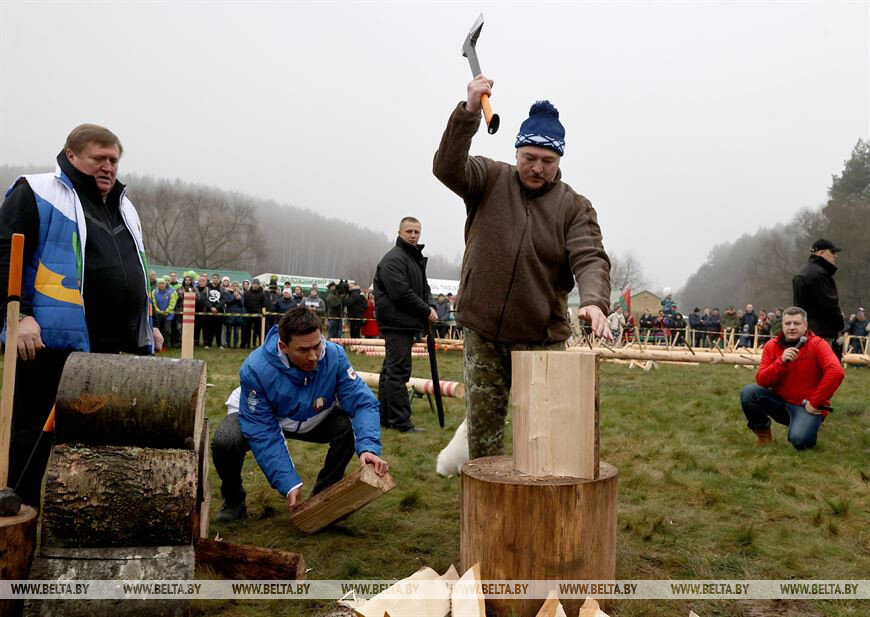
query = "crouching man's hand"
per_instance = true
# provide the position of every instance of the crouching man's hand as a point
(294, 499)
(381, 466)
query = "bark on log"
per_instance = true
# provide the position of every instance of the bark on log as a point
(523, 528)
(128, 563)
(17, 541)
(254, 563)
(113, 496)
(342, 499)
(113, 400)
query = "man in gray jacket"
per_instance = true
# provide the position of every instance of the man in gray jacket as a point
(527, 235)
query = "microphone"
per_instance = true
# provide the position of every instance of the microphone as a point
(801, 342)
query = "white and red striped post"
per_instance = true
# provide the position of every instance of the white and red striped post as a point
(187, 329)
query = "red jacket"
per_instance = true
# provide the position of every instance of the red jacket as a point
(370, 326)
(814, 375)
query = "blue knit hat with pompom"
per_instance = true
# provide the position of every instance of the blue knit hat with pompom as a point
(542, 128)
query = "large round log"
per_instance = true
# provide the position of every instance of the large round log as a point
(115, 400)
(17, 541)
(141, 563)
(520, 527)
(115, 496)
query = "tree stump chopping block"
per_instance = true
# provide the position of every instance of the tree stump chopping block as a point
(17, 541)
(520, 527)
(116, 496)
(142, 563)
(114, 400)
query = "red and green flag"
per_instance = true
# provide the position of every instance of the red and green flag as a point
(625, 300)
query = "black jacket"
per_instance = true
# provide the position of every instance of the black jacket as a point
(356, 304)
(816, 292)
(255, 301)
(401, 289)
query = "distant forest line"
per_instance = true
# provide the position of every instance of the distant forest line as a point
(210, 229)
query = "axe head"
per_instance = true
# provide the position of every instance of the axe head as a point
(468, 47)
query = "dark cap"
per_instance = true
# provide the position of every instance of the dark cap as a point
(822, 245)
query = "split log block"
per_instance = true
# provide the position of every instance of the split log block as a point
(238, 561)
(341, 499)
(555, 413)
(114, 400)
(114, 496)
(520, 527)
(143, 563)
(17, 541)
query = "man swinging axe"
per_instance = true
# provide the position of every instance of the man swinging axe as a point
(529, 237)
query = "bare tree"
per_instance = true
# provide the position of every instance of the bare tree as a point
(627, 268)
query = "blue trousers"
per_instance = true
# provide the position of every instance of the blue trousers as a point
(761, 405)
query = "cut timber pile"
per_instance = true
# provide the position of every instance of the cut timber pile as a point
(454, 389)
(745, 357)
(124, 484)
(138, 563)
(341, 499)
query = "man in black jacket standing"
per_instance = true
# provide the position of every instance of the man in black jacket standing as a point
(402, 298)
(815, 291)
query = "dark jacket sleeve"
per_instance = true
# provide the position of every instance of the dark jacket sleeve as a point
(18, 214)
(464, 175)
(589, 261)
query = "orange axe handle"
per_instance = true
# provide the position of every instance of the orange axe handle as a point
(492, 120)
(10, 359)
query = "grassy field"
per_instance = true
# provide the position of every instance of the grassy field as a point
(696, 499)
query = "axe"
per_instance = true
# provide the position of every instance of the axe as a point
(469, 51)
(9, 501)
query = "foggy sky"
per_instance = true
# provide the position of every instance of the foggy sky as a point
(687, 123)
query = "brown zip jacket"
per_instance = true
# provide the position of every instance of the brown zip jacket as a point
(523, 250)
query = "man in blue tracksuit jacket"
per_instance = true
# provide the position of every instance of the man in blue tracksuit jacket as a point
(298, 386)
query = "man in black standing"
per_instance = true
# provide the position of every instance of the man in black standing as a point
(402, 298)
(815, 291)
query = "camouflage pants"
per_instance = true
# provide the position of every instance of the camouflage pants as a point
(487, 390)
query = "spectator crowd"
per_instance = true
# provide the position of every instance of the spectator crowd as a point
(709, 327)
(229, 314)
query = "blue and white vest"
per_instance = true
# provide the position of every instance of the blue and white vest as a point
(55, 270)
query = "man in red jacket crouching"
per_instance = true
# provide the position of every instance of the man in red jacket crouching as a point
(796, 381)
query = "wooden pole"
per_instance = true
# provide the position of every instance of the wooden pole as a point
(187, 324)
(555, 413)
(452, 389)
(10, 357)
(263, 328)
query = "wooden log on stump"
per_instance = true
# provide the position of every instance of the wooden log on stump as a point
(115, 400)
(143, 563)
(115, 496)
(565, 525)
(342, 499)
(17, 541)
(238, 561)
(555, 412)
(521, 527)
